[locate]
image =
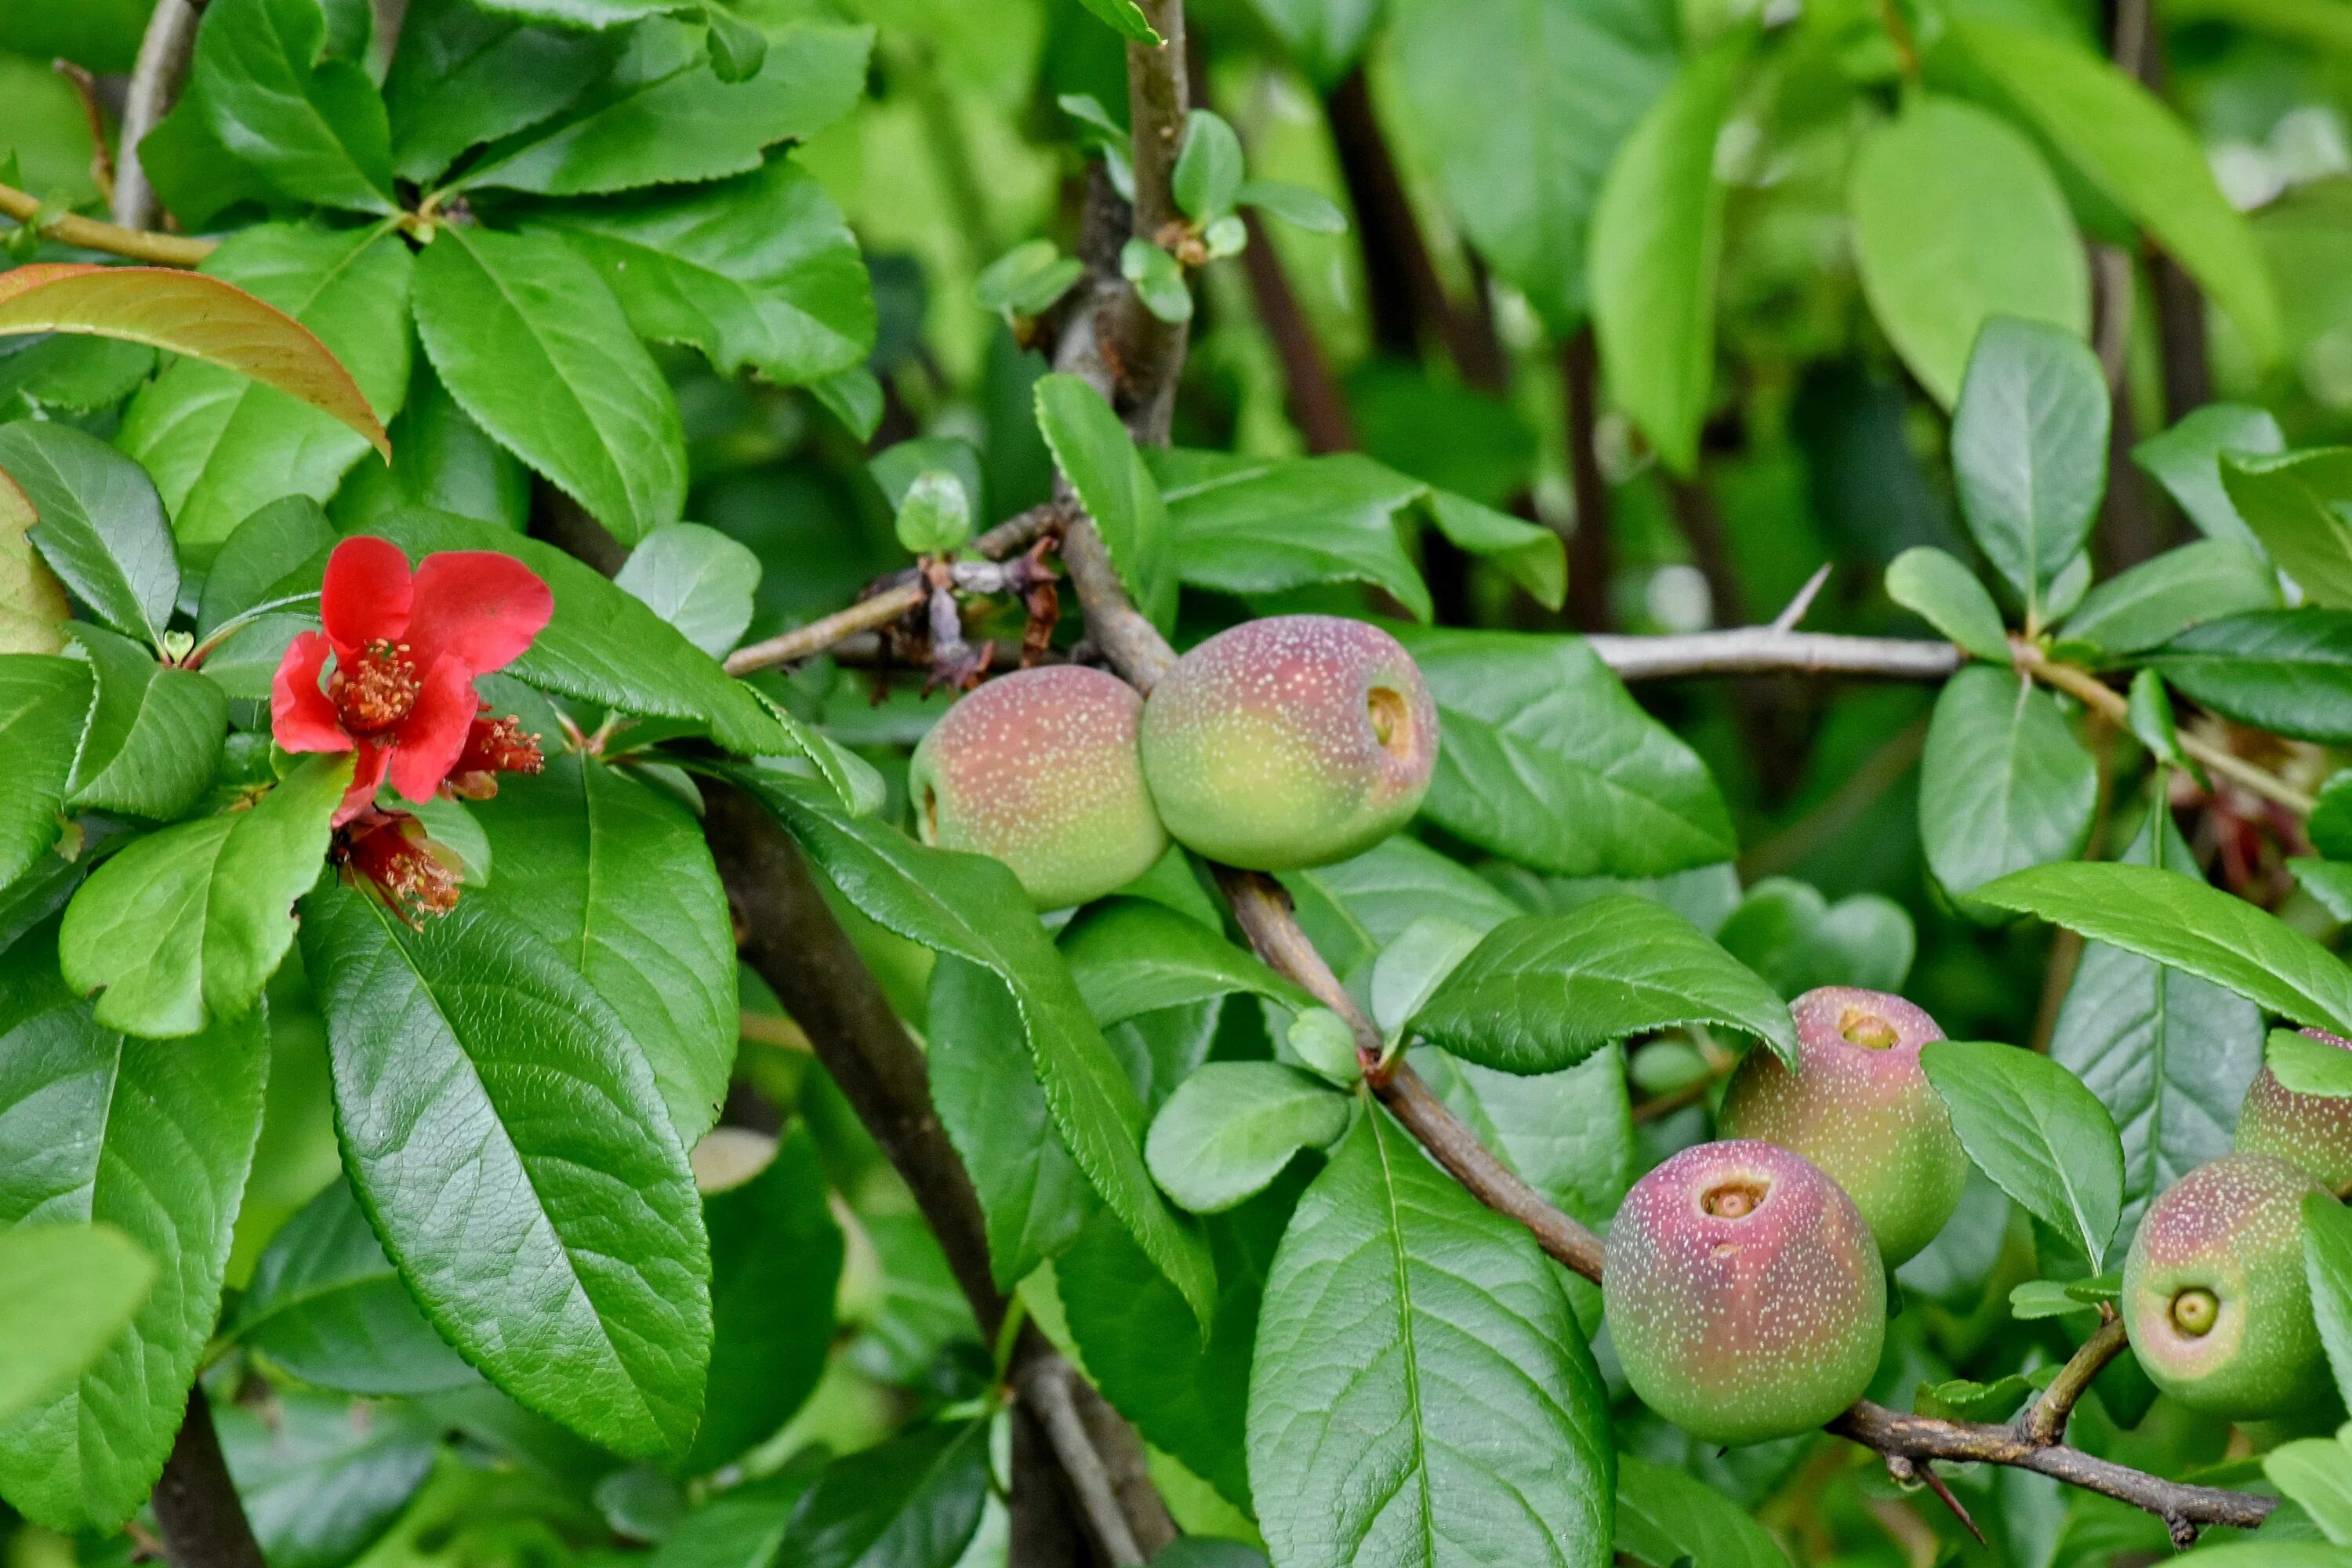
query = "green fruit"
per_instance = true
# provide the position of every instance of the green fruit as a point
(1291, 741)
(1744, 1293)
(2306, 1130)
(1860, 1107)
(1040, 770)
(2215, 1295)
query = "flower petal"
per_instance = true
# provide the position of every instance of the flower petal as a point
(478, 606)
(366, 594)
(302, 717)
(367, 777)
(427, 742)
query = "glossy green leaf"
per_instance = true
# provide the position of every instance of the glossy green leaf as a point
(2148, 712)
(66, 1293)
(1354, 908)
(1657, 226)
(2168, 1054)
(327, 1305)
(957, 904)
(100, 525)
(2296, 505)
(2030, 451)
(155, 1139)
(699, 580)
(308, 122)
(84, 374)
(1934, 585)
(614, 873)
(740, 1527)
(153, 742)
(2307, 1066)
(1529, 554)
(1295, 204)
(1409, 969)
(44, 699)
(184, 926)
(1208, 175)
(2159, 599)
(2186, 461)
(1124, 18)
(1664, 1515)
(912, 1502)
(1521, 105)
(758, 273)
(1569, 1134)
(1232, 1127)
(2133, 149)
(1248, 526)
(1957, 220)
(1549, 761)
(775, 1262)
(253, 561)
(1796, 939)
(2327, 1265)
(2285, 670)
(1421, 1394)
(1130, 956)
(2038, 1132)
(934, 515)
(1095, 452)
(1158, 280)
(1543, 992)
(322, 1477)
(2316, 1474)
(222, 446)
(2003, 782)
(464, 75)
(441, 459)
(533, 346)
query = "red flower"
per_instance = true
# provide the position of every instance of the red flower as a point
(389, 853)
(406, 650)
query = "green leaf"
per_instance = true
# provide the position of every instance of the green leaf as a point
(1569, 1134)
(1245, 526)
(853, 396)
(2289, 671)
(66, 1291)
(101, 525)
(32, 601)
(1130, 956)
(1520, 106)
(463, 75)
(1796, 940)
(2296, 504)
(1527, 554)
(1420, 1379)
(699, 580)
(956, 904)
(2157, 600)
(2180, 921)
(1098, 457)
(2327, 1265)
(1158, 280)
(2307, 1066)
(1549, 761)
(1137, 1337)
(1409, 969)
(311, 124)
(326, 1305)
(42, 700)
(252, 560)
(2316, 1473)
(1934, 585)
(912, 1502)
(153, 742)
(740, 1527)
(614, 873)
(2186, 461)
(1208, 177)
(2149, 711)
(570, 1266)
(1666, 1516)
(1124, 18)
(1957, 220)
(2035, 1299)
(1026, 279)
(1354, 908)
(2003, 783)
(1231, 1128)
(758, 273)
(1964, 1399)
(1657, 228)
(85, 375)
(2140, 157)
(155, 1139)
(935, 514)
(2043, 1138)
(534, 348)
(184, 926)
(441, 459)
(221, 445)
(2030, 451)
(663, 116)
(1544, 992)
(2168, 1054)
(322, 1477)
(1295, 204)
(775, 1263)
(738, 49)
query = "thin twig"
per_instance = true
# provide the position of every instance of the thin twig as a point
(90, 234)
(1045, 1386)
(1768, 650)
(164, 51)
(2045, 1420)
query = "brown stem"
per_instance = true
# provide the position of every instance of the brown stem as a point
(89, 234)
(2045, 1420)
(1769, 650)
(196, 1503)
(164, 51)
(1149, 351)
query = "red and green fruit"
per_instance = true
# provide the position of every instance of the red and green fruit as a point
(1040, 770)
(1859, 1106)
(1291, 741)
(2308, 1129)
(1744, 1293)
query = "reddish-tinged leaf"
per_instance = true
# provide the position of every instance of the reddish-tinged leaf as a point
(32, 601)
(193, 314)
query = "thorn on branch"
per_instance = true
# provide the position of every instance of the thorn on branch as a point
(1908, 1472)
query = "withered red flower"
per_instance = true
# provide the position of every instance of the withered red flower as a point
(407, 649)
(390, 854)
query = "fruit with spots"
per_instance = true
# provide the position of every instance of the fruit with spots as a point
(2308, 1130)
(1744, 1293)
(1291, 741)
(1860, 1107)
(2215, 1295)
(1040, 770)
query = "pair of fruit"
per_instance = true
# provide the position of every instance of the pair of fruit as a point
(1744, 1281)
(1286, 742)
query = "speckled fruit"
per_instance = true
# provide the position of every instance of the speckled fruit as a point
(1040, 770)
(1291, 741)
(2215, 1296)
(1861, 1109)
(1743, 1292)
(2308, 1129)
